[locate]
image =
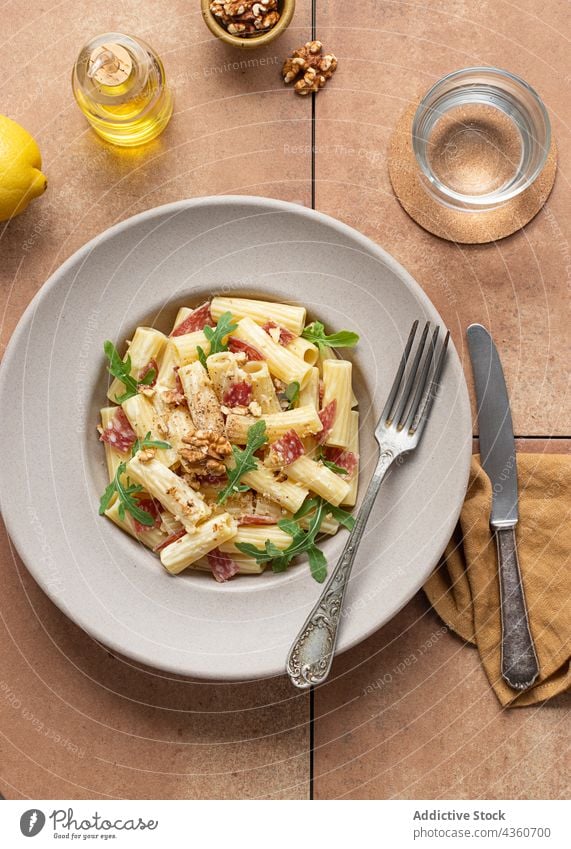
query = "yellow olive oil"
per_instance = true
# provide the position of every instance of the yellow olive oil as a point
(120, 86)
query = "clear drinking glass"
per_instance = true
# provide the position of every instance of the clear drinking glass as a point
(481, 137)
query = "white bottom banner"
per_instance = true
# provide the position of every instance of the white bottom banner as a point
(274, 824)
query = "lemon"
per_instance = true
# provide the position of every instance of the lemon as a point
(20, 161)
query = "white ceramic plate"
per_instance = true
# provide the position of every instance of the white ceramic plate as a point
(52, 385)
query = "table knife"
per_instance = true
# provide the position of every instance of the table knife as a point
(519, 664)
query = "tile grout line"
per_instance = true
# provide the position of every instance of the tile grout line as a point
(313, 134)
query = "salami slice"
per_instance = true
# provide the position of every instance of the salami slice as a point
(222, 565)
(287, 449)
(171, 538)
(239, 347)
(347, 460)
(118, 433)
(285, 336)
(327, 416)
(149, 505)
(152, 364)
(238, 395)
(197, 320)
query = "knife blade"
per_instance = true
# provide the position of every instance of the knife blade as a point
(497, 445)
(519, 665)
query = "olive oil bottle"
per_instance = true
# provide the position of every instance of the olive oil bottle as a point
(119, 84)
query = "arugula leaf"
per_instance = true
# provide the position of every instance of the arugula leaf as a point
(291, 394)
(201, 357)
(147, 442)
(215, 336)
(122, 371)
(317, 563)
(315, 332)
(244, 460)
(339, 470)
(342, 516)
(127, 502)
(106, 498)
(301, 542)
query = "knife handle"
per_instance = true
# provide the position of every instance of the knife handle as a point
(519, 660)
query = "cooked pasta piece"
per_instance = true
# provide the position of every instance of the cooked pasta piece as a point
(325, 354)
(256, 535)
(225, 371)
(263, 389)
(337, 387)
(143, 419)
(113, 458)
(175, 495)
(151, 537)
(310, 392)
(193, 546)
(319, 479)
(304, 420)
(178, 425)
(201, 399)
(166, 377)
(186, 347)
(292, 318)
(286, 493)
(351, 497)
(181, 315)
(281, 362)
(305, 350)
(144, 350)
(328, 525)
(246, 565)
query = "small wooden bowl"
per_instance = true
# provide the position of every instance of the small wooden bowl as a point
(286, 9)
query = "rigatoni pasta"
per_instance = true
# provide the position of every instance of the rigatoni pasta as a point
(234, 440)
(281, 362)
(284, 315)
(337, 390)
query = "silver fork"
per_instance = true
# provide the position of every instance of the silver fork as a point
(398, 431)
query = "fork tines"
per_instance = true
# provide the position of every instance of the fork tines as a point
(416, 381)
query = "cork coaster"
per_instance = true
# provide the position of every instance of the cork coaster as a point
(466, 227)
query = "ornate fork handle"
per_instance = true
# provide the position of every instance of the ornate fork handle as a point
(311, 655)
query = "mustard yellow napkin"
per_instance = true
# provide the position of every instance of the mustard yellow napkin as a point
(464, 589)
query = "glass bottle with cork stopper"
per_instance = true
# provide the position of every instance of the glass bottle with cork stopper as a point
(119, 84)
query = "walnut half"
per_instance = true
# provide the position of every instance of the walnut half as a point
(310, 67)
(205, 452)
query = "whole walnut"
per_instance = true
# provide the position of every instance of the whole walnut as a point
(310, 67)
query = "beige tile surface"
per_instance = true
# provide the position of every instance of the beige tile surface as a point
(74, 720)
(409, 714)
(388, 53)
(78, 722)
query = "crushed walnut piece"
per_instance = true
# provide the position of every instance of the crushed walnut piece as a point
(310, 67)
(246, 18)
(149, 391)
(255, 409)
(205, 452)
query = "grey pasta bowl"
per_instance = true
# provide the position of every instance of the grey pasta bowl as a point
(140, 272)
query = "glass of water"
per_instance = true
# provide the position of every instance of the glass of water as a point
(480, 137)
